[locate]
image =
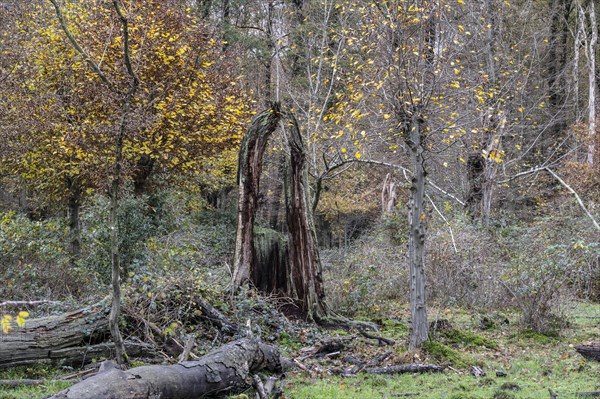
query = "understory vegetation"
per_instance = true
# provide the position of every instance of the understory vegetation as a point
(512, 299)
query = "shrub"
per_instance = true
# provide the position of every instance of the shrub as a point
(34, 261)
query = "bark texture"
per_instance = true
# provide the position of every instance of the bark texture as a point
(249, 169)
(591, 352)
(53, 339)
(262, 256)
(416, 237)
(226, 369)
(305, 266)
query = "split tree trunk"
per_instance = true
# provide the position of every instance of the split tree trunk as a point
(226, 369)
(305, 265)
(249, 169)
(50, 339)
(299, 278)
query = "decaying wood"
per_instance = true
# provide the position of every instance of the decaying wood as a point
(261, 393)
(405, 368)
(306, 285)
(477, 371)
(226, 369)
(381, 341)
(591, 352)
(251, 154)
(187, 349)
(56, 338)
(215, 317)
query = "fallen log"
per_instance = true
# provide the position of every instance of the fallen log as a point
(226, 369)
(404, 368)
(43, 340)
(591, 352)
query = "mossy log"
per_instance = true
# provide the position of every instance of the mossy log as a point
(46, 339)
(229, 368)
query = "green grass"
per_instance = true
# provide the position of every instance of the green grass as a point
(534, 363)
(32, 391)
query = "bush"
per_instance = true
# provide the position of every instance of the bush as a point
(35, 263)
(366, 276)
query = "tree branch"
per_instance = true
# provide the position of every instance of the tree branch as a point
(79, 49)
(581, 204)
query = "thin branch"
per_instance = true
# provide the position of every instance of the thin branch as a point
(28, 303)
(445, 220)
(126, 50)
(405, 170)
(562, 182)
(79, 49)
(581, 204)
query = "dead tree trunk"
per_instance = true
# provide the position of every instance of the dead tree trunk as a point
(249, 169)
(226, 369)
(46, 339)
(305, 266)
(591, 352)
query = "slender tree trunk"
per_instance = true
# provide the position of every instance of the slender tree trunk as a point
(557, 63)
(494, 147)
(74, 220)
(249, 169)
(305, 265)
(592, 82)
(115, 310)
(416, 238)
(580, 39)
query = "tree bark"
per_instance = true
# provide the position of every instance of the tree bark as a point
(45, 340)
(416, 238)
(591, 151)
(74, 220)
(226, 369)
(305, 266)
(591, 352)
(115, 310)
(249, 169)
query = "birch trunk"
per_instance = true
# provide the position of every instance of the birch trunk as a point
(592, 82)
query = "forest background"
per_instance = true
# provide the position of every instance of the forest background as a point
(491, 105)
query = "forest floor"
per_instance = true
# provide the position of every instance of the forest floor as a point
(530, 364)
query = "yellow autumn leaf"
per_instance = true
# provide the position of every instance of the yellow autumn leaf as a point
(357, 155)
(20, 321)
(6, 327)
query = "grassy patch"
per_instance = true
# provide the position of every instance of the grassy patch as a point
(533, 364)
(467, 338)
(32, 391)
(446, 354)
